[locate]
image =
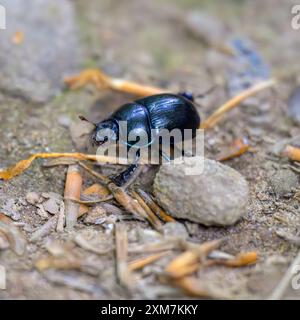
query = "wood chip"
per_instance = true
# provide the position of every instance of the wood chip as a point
(72, 192)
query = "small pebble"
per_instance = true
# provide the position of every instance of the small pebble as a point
(64, 121)
(32, 198)
(51, 206)
(216, 197)
(283, 182)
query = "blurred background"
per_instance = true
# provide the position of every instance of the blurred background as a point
(182, 45)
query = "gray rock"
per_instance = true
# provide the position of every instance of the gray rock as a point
(34, 69)
(216, 197)
(51, 206)
(294, 105)
(283, 182)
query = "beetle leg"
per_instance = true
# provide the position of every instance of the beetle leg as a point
(123, 178)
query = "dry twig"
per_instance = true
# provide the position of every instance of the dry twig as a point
(234, 102)
(102, 81)
(22, 165)
(154, 207)
(151, 217)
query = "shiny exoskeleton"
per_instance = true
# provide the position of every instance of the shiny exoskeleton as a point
(162, 111)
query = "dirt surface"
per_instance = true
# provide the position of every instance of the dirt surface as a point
(149, 42)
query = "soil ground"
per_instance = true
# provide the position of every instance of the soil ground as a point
(144, 41)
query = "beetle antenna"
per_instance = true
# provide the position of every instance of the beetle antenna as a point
(82, 118)
(207, 92)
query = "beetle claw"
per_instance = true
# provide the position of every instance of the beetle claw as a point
(122, 178)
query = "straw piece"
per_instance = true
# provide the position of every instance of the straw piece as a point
(102, 81)
(234, 102)
(154, 207)
(292, 153)
(72, 194)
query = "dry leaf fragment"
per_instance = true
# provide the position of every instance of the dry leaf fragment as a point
(98, 190)
(292, 153)
(189, 261)
(18, 37)
(238, 147)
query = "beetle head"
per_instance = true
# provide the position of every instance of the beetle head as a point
(107, 130)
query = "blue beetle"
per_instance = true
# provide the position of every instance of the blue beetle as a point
(156, 112)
